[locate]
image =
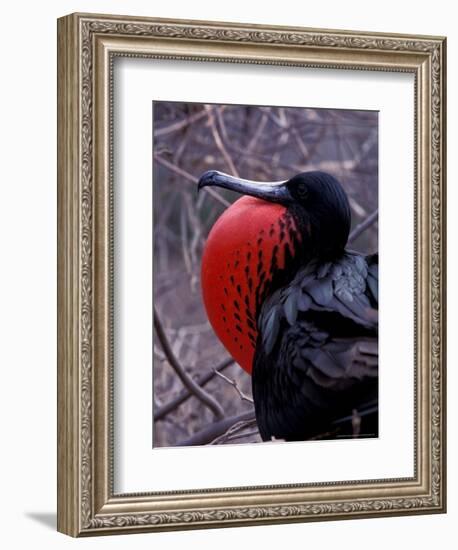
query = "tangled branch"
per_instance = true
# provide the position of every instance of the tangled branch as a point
(210, 433)
(372, 218)
(187, 381)
(163, 411)
(234, 384)
(192, 179)
(233, 430)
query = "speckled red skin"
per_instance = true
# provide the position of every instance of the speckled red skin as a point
(246, 245)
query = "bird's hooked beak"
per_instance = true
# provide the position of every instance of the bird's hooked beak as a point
(272, 191)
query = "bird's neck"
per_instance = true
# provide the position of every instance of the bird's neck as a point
(323, 236)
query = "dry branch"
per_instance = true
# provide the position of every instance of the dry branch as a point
(180, 124)
(182, 397)
(253, 433)
(363, 226)
(189, 177)
(234, 384)
(210, 433)
(187, 381)
(219, 142)
(234, 429)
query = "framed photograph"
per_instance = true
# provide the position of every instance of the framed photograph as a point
(233, 201)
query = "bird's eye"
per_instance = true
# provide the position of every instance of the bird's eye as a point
(302, 191)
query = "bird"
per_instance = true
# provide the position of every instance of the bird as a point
(294, 306)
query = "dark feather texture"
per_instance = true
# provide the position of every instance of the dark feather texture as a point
(316, 361)
(315, 365)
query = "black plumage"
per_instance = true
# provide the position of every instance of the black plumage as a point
(315, 367)
(316, 360)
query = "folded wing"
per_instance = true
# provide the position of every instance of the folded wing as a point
(316, 363)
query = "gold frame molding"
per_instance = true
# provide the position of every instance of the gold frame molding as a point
(87, 45)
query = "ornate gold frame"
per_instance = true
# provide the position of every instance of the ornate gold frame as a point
(87, 45)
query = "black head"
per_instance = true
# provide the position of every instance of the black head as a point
(317, 201)
(321, 205)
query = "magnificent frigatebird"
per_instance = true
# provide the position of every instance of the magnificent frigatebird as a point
(294, 307)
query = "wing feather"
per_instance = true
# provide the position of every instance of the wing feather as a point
(318, 350)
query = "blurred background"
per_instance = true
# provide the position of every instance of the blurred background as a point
(200, 396)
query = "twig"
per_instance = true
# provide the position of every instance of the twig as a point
(179, 151)
(176, 169)
(192, 328)
(363, 226)
(257, 134)
(187, 381)
(354, 204)
(355, 423)
(197, 229)
(240, 436)
(182, 397)
(184, 241)
(180, 124)
(219, 142)
(359, 436)
(277, 121)
(242, 151)
(365, 148)
(235, 428)
(189, 177)
(300, 142)
(234, 384)
(284, 137)
(216, 429)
